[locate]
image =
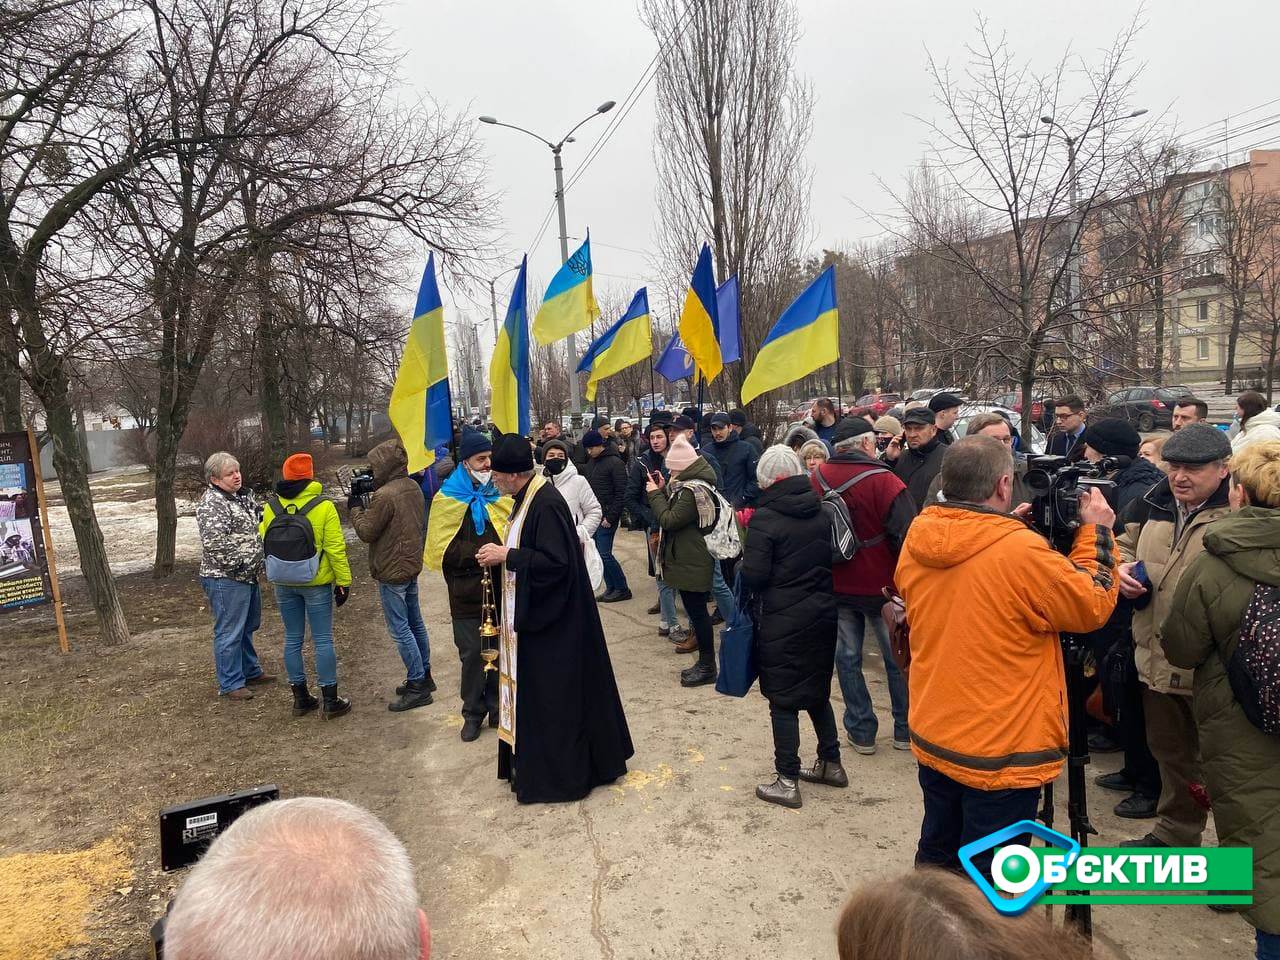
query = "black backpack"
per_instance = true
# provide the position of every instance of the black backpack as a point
(844, 538)
(289, 543)
(1254, 667)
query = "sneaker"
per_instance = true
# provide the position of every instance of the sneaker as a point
(679, 634)
(1136, 807)
(664, 631)
(783, 792)
(239, 693)
(866, 749)
(1117, 781)
(901, 744)
(698, 674)
(1150, 840)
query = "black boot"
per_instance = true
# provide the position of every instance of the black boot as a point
(471, 725)
(303, 701)
(698, 674)
(415, 694)
(431, 685)
(826, 771)
(783, 791)
(334, 706)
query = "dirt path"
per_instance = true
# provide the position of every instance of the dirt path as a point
(678, 860)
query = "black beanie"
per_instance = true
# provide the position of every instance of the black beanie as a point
(1113, 438)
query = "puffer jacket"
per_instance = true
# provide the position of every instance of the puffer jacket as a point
(1240, 763)
(608, 479)
(786, 562)
(917, 469)
(1264, 425)
(986, 598)
(394, 522)
(1132, 483)
(686, 561)
(325, 525)
(582, 501)
(1148, 536)
(738, 461)
(229, 544)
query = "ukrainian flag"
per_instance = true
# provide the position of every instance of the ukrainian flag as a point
(806, 337)
(420, 408)
(699, 327)
(509, 368)
(628, 341)
(569, 305)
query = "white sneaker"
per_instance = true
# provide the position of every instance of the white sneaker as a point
(866, 749)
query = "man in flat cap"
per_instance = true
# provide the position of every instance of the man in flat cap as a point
(917, 465)
(561, 727)
(946, 410)
(1164, 531)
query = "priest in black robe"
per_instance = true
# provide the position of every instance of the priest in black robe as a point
(562, 730)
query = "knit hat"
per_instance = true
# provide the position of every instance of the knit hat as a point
(737, 418)
(943, 401)
(661, 416)
(473, 442)
(298, 466)
(850, 427)
(513, 454)
(555, 445)
(681, 454)
(1196, 443)
(888, 424)
(777, 463)
(592, 438)
(598, 421)
(1113, 438)
(918, 415)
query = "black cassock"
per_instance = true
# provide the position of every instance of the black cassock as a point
(571, 732)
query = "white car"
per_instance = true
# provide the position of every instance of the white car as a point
(1034, 444)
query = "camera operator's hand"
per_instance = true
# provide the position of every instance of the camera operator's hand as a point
(1129, 587)
(1095, 509)
(1022, 511)
(340, 594)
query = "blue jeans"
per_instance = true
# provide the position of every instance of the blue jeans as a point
(237, 612)
(859, 718)
(1268, 946)
(614, 578)
(298, 607)
(720, 590)
(667, 604)
(404, 621)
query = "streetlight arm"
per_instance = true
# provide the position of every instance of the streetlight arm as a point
(512, 126)
(565, 138)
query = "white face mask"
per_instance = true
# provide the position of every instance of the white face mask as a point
(482, 477)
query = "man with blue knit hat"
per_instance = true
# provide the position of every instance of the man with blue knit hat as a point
(467, 513)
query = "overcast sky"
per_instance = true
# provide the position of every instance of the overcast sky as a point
(546, 64)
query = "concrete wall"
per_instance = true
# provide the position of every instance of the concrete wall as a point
(107, 449)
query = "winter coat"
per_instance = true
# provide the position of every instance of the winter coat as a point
(637, 477)
(229, 543)
(1132, 484)
(394, 522)
(786, 562)
(626, 449)
(917, 468)
(1021, 493)
(738, 461)
(686, 561)
(750, 434)
(1264, 425)
(325, 525)
(582, 502)
(608, 479)
(1148, 536)
(986, 598)
(879, 506)
(1240, 763)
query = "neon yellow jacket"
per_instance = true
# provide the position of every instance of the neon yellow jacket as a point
(328, 530)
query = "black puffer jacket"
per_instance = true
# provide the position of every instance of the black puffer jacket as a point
(786, 561)
(1132, 483)
(917, 468)
(738, 461)
(637, 497)
(608, 479)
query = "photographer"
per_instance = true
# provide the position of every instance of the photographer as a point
(987, 597)
(1163, 533)
(391, 522)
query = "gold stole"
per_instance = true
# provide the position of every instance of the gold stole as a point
(507, 641)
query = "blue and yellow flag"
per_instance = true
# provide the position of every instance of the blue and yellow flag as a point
(420, 408)
(806, 337)
(628, 341)
(569, 304)
(509, 367)
(699, 327)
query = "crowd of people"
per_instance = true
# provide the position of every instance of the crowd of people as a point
(1158, 576)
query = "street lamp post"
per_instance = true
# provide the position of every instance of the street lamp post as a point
(575, 400)
(493, 299)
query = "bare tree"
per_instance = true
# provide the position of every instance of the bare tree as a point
(1245, 227)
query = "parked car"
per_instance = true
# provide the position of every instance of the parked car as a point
(926, 393)
(1028, 445)
(1041, 407)
(1147, 408)
(879, 403)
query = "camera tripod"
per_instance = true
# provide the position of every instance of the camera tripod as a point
(1074, 650)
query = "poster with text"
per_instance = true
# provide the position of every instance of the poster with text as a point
(24, 571)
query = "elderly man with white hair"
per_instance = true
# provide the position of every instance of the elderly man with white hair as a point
(303, 879)
(230, 564)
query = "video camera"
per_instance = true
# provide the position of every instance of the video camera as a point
(362, 482)
(1058, 485)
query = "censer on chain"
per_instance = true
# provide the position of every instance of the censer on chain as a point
(488, 624)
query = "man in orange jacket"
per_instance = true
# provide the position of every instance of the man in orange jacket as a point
(986, 598)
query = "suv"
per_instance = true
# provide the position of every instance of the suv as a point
(1147, 408)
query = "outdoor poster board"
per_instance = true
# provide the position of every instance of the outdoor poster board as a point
(28, 575)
